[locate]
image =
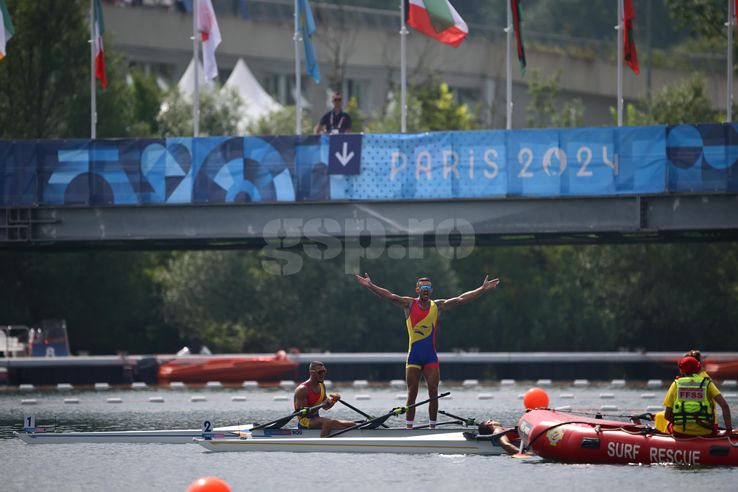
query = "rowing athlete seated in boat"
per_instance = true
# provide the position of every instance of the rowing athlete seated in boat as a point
(311, 393)
(690, 403)
(421, 321)
(492, 427)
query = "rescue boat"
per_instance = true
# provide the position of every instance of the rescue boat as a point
(570, 438)
(201, 369)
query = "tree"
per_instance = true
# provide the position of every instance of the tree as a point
(280, 122)
(541, 111)
(429, 108)
(220, 114)
(683, 101)
(45, 78)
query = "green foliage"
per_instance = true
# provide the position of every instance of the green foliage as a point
(683, 101)
(229, 301)
(109, 299)
(220, 114)
(704, 18)
(146, 97)
(280, 122)
(541, 111)
(358, 118)
(45, 77)
(429, 108)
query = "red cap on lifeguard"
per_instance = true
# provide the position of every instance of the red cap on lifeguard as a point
(689, 365)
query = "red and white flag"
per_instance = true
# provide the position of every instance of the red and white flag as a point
(207, 25)
(437, 19)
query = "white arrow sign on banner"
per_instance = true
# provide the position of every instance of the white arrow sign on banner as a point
(346, 157)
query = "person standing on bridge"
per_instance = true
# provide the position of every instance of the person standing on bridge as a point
(421, 320)
(336, 120)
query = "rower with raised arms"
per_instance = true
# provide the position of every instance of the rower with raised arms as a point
(421, 320)
(312, 393)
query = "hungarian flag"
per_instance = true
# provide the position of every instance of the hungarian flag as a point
(437, 19)
(517, 26)
(629, 45)
(207, 25)
(97, 14)
(6, 28)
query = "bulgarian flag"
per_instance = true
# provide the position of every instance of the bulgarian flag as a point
(97, 15)
(437, 19)
(517, 18)
(629, 45)
(6, 28)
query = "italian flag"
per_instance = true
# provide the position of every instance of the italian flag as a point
(437, 19)
(6, 28)
(97, 15)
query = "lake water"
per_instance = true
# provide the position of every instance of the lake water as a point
(172, 467)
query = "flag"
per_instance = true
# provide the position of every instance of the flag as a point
(437, 19)
(631, 57)
(517, 21)
(307, 26)
(97, 15)
(6, 28)
(207, 25)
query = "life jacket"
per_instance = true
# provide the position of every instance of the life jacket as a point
(691, 404)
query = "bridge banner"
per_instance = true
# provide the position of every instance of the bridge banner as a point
(438, 166)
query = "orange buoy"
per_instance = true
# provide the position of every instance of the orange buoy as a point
(535, 398)
(209, 484)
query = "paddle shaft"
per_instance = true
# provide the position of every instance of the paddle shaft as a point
(287, 418)
(360, 412)
(468, 422)
(388, 415)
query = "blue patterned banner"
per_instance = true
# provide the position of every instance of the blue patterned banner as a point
(443, 165)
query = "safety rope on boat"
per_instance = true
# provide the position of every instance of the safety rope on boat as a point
(642, 430)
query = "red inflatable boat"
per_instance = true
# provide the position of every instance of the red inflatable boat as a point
(199, 369)
(573, 439)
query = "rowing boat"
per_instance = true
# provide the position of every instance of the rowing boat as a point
(182, 436)
(438, 442)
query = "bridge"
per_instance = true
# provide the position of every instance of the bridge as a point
(373, 193)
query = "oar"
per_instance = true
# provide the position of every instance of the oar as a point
(466, 422)
(438, 424)
(376, 422)
(360, 412)
(280, 422)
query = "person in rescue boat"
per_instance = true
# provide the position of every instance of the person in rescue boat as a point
(690, 403)
(421, 322)
(492, 427)
(311, 393)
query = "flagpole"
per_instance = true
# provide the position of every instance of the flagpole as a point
(508, 66)
(93, 85)
(729, 88)
(620, 27)
(403, 70)
(195, 70)
(298, 78)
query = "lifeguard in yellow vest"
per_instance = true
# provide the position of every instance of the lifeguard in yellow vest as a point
(690, 402)
(421, 321)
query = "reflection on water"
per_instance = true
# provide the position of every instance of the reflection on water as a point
(172, 467)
